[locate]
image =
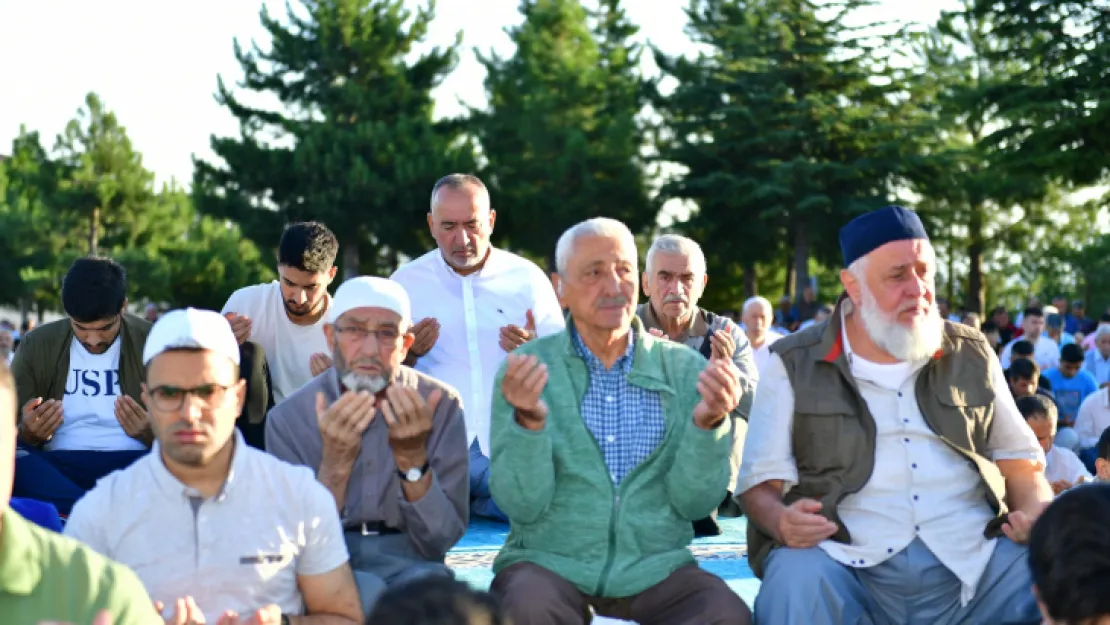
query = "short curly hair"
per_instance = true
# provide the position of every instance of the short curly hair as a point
(308, 246)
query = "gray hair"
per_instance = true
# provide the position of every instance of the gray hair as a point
(677, 244)
(458, 182)
(752, 301)
(1102, 330)
(596, 227)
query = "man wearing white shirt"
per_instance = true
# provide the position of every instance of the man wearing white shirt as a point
(1097, 359)
(757, 317)
(475, 304)
(286, 317)
(885, 459)
(1092, 421)
(1046, 352)
(216, 529)
(1063, 469)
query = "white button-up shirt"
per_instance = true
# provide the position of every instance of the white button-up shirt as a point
(471, 311)
(919, 487)
(1094, 417)
(1046, 353)
(762, 354)
(243, 549)
(1063, 464)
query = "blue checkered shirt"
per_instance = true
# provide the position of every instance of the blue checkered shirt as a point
(627, 421)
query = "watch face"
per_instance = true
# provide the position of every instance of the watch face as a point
(413, 475)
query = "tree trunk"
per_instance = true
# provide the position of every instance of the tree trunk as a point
(975, 299)
(801, 259)
(41, 310)
(24, 310)
(350, 260)
(950, 288)
(788, 286)
(751, 286)
(94, 231)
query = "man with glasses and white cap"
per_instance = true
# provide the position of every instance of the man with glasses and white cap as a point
(387, 441)
(217, 531)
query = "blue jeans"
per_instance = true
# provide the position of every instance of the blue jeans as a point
(63, 476)
(911, 588)
(481, 503)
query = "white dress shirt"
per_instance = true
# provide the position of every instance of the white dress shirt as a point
(1063, 464)
(1046, 353)
(763, 353)
(1094, 417)
(471, 311)
(919, 487)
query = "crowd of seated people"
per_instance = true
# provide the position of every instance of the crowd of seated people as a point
(307, 457)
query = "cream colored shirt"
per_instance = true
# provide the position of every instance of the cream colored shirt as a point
(919, 487)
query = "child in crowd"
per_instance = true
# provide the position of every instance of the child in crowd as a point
(1070, 386)
(1024, 378)
(1064, 469)
(1102, 462)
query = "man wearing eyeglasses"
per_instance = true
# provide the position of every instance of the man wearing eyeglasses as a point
(78, 381)
(387, 441)
(216, 530)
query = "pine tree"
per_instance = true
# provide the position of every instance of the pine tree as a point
(788, 125)
(104, 180)
(561, 137)
(356, 145)
(981, 203)
(1057, 107)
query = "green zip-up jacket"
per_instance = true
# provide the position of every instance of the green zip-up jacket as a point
(566, 515)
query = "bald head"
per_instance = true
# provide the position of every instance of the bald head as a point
(461, 221)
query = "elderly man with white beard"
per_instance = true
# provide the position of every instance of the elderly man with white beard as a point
(888, 476)
(389, 442)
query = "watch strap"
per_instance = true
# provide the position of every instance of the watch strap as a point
(423, 471)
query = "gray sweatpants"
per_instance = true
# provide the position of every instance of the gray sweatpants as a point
(386, 560)
(911, 588)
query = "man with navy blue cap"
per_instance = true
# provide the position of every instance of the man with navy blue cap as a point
(887, 475)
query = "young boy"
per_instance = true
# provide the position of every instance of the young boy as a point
(1064, 469)
(1070, 385)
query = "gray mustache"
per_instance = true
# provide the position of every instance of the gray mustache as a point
(674, 298)
(612, 301)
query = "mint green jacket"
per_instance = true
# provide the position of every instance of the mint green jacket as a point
(566, 515)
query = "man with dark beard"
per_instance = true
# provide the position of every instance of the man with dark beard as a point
(387, 441)
(888, 475)
(286, 317)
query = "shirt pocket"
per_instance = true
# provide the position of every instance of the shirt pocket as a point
(827, 434)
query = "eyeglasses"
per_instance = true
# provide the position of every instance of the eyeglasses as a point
(386, 337)
(171, 398)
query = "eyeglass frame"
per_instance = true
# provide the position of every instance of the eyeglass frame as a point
(185, 393)
(358, 334)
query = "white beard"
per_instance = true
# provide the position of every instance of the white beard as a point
(905, 344)
(359, 382)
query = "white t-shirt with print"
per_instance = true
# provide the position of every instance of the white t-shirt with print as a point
(89, 404)
(289, 347)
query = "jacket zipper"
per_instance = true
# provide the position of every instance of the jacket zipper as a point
(612, 555)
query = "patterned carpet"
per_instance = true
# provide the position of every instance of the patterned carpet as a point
(724, 555)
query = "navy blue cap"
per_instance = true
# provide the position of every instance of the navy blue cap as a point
(877, 228)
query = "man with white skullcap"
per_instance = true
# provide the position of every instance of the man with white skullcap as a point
(387, 441)
(215, 529)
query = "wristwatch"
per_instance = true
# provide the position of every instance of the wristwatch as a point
(414, 474)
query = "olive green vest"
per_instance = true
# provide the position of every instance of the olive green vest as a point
(834, 432)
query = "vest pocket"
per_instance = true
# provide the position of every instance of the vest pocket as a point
(964, 416)
(827, 434)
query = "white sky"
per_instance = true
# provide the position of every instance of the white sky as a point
(155, 63)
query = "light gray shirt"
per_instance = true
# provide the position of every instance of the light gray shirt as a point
(436, 521)
(245, 548)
